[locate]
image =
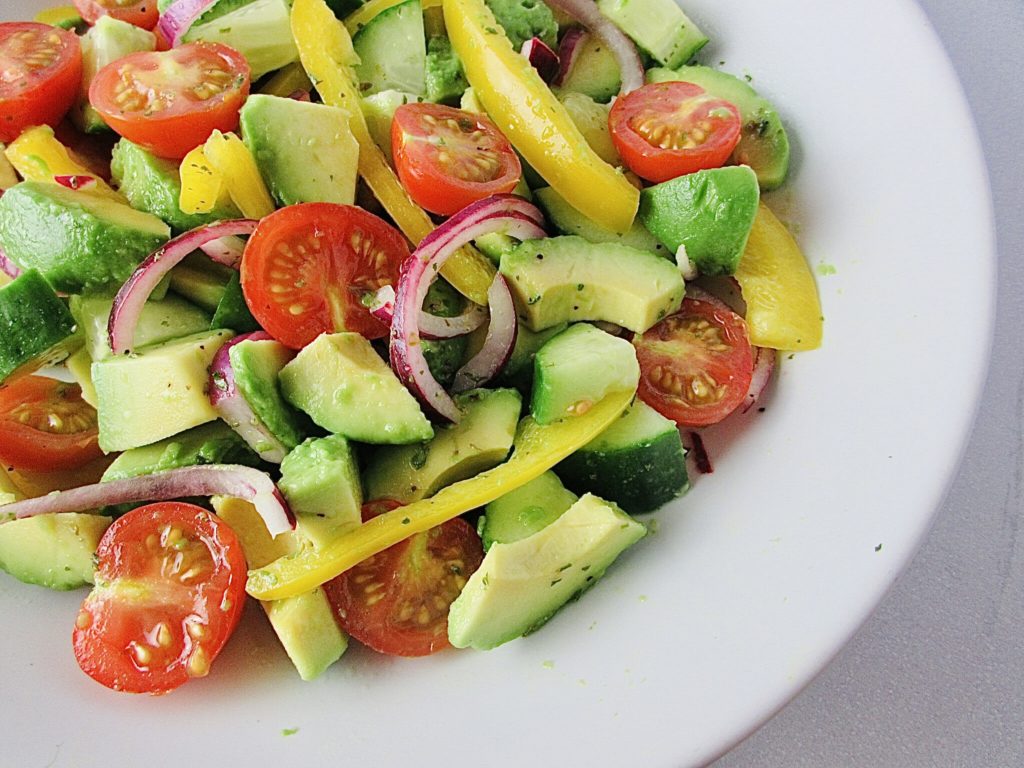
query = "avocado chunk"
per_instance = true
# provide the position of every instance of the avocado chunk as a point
(379, 111)
(518, 371)
(709, 212)
(36, 328)
(592, 120)
(304, 624)
(106, 41)
(79, 365)
(157, 392)
(320, 480)
(347, 389)
(232, 311)
(594, 73)
(564, 279)
(658, 27)
(392, 51)
(764, 144)
(306, 152)
(481, 440)
(75, 239)
(52, 551)
(213, 443)
(152, 184)
(202, 281)
(523, 19)
(169, 318)
(525, 510)
(569, 221)
(577, 368)
(445, 81)
(260, 30)
(521, 584)
(257, 365)
(638, 462)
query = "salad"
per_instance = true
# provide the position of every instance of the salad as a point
(396, 317)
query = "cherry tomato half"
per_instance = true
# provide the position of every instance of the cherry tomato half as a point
(141, 13)
(45, 426)
(695, 365)
(448, 158)
(664, 130)
(170, 588)
(40, 74)
(171, 101)
(396, 602)
(308, 268)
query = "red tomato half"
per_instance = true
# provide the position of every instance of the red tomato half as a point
(40, 74)
(448, 158)
(45, 426)
(171, 101)
(170, 587)
(308, 268)
(397, 602)
(695, 365)
(141, 13)
(664, 130)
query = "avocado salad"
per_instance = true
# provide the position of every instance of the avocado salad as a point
(395, 317)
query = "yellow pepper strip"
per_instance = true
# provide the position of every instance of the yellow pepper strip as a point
(66, 16)
(234, 162)
(8, 176)
(38, 156)
(325, 49)
(537, 449)
(287, 81)
(9, 492)
(536, 123)
(360, 17)
(783, 310)
(202, 186)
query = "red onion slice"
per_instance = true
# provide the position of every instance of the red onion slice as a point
(508, 214)
(764, 366)
(132, 296)
(7, 266)
(76, 181)
(208, 480)
(225, 250)
(232, 406)
(498, 344)
(543, 59)
(586, 12)
(568, 51)
(179, 18)
(382, 306)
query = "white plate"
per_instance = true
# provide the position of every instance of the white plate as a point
(756, 578)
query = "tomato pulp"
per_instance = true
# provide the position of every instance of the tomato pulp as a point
(170, 588)
(665, 130)
(310, 268)
(695, 365)
(448, 158)
(171, 101)
(40, 74)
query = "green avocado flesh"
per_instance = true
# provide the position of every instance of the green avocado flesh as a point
(52, 551)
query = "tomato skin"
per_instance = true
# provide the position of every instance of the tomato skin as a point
(170, 588)
(695, 365)
(46, 426)
(141, 13)
(332, 255)
(397, 602)
(41, 94)
(202, 87)
(447, 158)
(701, 131)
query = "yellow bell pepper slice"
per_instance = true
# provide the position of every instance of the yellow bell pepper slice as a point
(8, 176)
(536, 123)
(287, 81)
(234, 162)
(537, 449)
(783, 309)
(66, 16)
(202, 186)
(38, 156)
(361, 16)
(325, 49)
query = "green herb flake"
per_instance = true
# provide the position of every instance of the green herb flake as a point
(289, 731)
(406, 521)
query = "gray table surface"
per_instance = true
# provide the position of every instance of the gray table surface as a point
(936, 676)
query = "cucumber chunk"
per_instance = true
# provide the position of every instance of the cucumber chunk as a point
(392, 50)
(36, 328)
